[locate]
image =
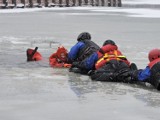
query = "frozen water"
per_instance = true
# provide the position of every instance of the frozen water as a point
(141, 1)
(35, 91)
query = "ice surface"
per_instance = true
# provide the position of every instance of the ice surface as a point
(35, 91)
(141, 1)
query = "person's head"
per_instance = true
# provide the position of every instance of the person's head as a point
(33, 55)
(62, 53)
(84, 36)
(108, 45)
(29, 51)
(109, 42)
(154, 54)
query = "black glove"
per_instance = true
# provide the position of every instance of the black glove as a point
(76, 64)
(91, 72)
(75, 70)
(131, 76)
(124, 76)
(133, 66)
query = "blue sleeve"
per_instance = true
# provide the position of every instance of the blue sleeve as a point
(72, 55)
(144, 74)
(89, 63)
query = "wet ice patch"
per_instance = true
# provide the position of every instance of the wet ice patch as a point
(84, 14)
(148, 13)
(48, 43)
(31, 10)
(141, 2)
(13, 40)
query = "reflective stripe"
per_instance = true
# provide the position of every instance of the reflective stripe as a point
(108, 57)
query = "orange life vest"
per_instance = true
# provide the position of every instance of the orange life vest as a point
(111, 55)
(153, 62)
(59, 59)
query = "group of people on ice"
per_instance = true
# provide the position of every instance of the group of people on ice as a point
(106, 63)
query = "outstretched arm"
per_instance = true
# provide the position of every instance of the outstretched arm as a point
(73, 53)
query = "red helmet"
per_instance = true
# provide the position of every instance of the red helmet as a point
(154, 54)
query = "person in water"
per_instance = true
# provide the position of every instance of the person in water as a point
(33, 55)
(59, 58)
(112, 66)
(83, 48)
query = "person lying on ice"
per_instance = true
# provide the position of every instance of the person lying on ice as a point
(108, 51)
(151, 73)
(83, 48)
(33, 55)
(59, 58)
(113, 66)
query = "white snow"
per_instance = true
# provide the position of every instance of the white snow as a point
(134, 12)
(141, 1)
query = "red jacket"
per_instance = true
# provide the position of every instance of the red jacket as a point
(110, 52)
(59, 59)
(153, 62)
